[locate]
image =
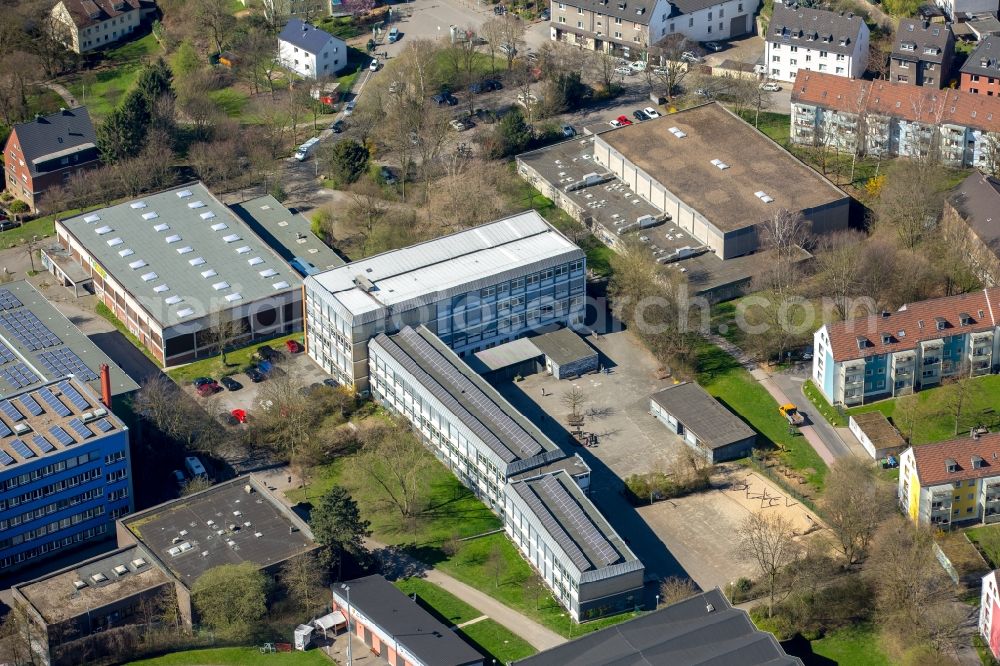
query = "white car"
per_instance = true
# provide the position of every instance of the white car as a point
(349, 107)
(373, 66)
(526, 100)
(638, 66)
(651, 112)
(624, 70)
(617, 123)
(690, 57)
(770, 87)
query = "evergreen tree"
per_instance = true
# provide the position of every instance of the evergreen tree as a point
(123, 132)
(336, 523)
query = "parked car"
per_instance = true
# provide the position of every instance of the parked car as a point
(201, 381)
(508, 49)
(713, 46)
(230, 384)
(268, 353)
(759, 69)
(206, 390)
(460, 125)
(624, 70)
(651, 112)
(332, 383)
(620, 121)
(239, 415)
(445, 97)
(637, 65)
(394, 35)
(349, 107)
(545, 15)
(6, 224)
(373, 65)
(770, 87)
(526, 100)
(388, 176)
(255, 375)
(499, 10)
(337, 126)
(688, 56)
(178, 477)
(640, 115)
(568, 131)
(293, 346)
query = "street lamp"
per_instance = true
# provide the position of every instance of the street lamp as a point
(350, 637)
(657, 602)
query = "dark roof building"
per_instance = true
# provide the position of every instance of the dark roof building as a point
(701, 630)
(835, 32)
(566, 353)
(87, 25)
(981, 72)
(304, 36)
(44, 152)
(704, 424)
(922, 53)
(397, 629)
(972, 214)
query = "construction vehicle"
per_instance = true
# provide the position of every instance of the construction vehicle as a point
(792, 413)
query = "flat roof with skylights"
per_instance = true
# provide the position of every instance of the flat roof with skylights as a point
(182, 254)
(38, 344)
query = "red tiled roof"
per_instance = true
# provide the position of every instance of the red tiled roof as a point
(904, 325)
(899, 100)
(90, 12)
(932, 459)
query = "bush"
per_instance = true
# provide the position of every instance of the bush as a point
(348, 160)
(278, 192)
(18, 207)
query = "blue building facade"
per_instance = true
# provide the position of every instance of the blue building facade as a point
(65, 472)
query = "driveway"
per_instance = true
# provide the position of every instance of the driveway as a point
(791, 383)
(431, 19)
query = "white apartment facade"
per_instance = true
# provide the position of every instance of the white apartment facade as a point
(474, 289)
(87, 25)
(815, 40)
(310, 52)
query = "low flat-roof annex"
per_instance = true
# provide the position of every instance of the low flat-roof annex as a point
(703, 415)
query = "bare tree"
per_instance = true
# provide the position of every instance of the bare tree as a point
(766, 540)
(601, 66)
(303, 581)
(573, 400)
(289, 421)
(535, 590)
(394, 463)
(195, 485)
(496, 563)
(961, 392)
(214, 16)
(367, 211)
(17, 635)
(493, 31)
(511, 36)
(674, 589)
(784, 232)
(670, 70)
(224, 331)
(856, 502)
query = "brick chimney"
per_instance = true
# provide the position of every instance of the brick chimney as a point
(106, 385)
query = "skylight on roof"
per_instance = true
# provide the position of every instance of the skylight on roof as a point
(232, 298)
(243, 250)
(100, 231)
(172, 239)
(160, 288)
(219, 226)
(185, 312)
(172, 300)
(231, 238)
(676, 131)
(184, 250)
(196, 204)
(268, 272)
(162, 226)
(90, 219)
(151, 215)
(138, 204)
(127, 252)
(137, 264)
(149, 277)
(184, 194)
(207, 215)
(209, 273)
(763, 196)
(219, 286)
(719, 164)
(115, 241)
(197, 261)
(255, 261)
(280, 285)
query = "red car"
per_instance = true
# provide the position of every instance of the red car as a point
(293, 346)
(240, 415)
(206, 390)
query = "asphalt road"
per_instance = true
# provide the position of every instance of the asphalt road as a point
(791, 383)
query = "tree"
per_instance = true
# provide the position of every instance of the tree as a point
(223, 332)
(231, 599)
(910, 202)
(348, 160)
(17, 635)
(960, 392)
(909, 412)
(214, 16)
(196, 485)
(289, 421)
(496, 563)
(511, 34)
(160, 402)
(535, 590)
(493, 31)
(674, 589)
(185, 60)
(511, 135)
(393, 462)
(838, 268)
(879, 53)
(856, 502)
(336, 524)
(123, 131)
(366, 212)
(304, 583)
(573, 400)
(672, 69)
(766, 540)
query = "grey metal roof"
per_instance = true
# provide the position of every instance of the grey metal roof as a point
(985, 60)
(504, 356)
(57, 135)
(305, 36)
(703, 415)
(701, 631)
(38, 343)
(921, 36)
(182, 243)
(289, 234)
(819, 29)
(563, 346)
(977, 200)
(401, 617)
(639, 11)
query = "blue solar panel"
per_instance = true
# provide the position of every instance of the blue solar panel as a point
(74, 396)
(80, 428)
(6, 355)
(4, 430)
(64, 361)
(21, 449)
(29, 330)
(55, 403)
(8, 300)
(43, 444)
(104, 425)
(5, 458)
(62, 436)
(31, 405)
(12, 412)
(19, 375)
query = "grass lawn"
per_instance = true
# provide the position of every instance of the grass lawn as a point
(987, 540)
(497, 642)
(250, 656)
(721, 375)
(238, 359)
(230, 101)
(824, 407)
(857, 646)
(934, 423)
(42, 227)
(105, 88)
(450, 608)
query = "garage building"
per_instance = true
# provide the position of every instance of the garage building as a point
(704, 424)
(566, 353)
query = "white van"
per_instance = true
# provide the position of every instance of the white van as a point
(306, 148)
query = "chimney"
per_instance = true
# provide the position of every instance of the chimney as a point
(106, 385)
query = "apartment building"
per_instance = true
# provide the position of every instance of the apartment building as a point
(88, 25)
(815, 40)
(310, 52)
(176, 265)
(956, 10)
(922, 53)
(474, 289)
(980, 75)
(952, 483)
(628, 27)
(969, 222)
(896, 353)
(65, 471)
(47, 152)
(989, 606)
(956, 128)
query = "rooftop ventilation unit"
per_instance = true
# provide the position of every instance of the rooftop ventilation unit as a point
(21, 428)
(207, 215)
(676, 131)
(255, 261)
(219, 226)
(268, 272)
(79, 584)
(115, 242)
(162, 226)
(197, 261)
(219, 286)
(185, 312)
(99, 412)
(100, 231)
(137, 264)
(172, 239)
(232, 298)
(243, 250)
(183, 194)
(172, 300)
(149, 277)
(589, 180)
(139, 563)
(99, 577)
(231, 238)
(120, 570)
(280, 285)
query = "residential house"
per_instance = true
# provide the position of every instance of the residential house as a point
(922, 53)
(310, 52)
(989, 606)
(956, 10)
(47, 151)
(628, 27)
(815, 40)
(971, 221)
(704, 424)
(980, 74)
(88, 25)
(952, 483)
(957, 129)
(895, 353)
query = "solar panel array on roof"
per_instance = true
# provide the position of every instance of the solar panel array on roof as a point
(64, 361)
(29, 330)
(81, 429)
(6, 355)
(54, 402)
(19, 375)
(5, 459)
(74, 396)
(21, 449)
(557, 531)
(4, 430)
(12, 412)
(43, 444)
(8, 300)
(61, 436)
(30, 404)
(104, 425)
(560, 497)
